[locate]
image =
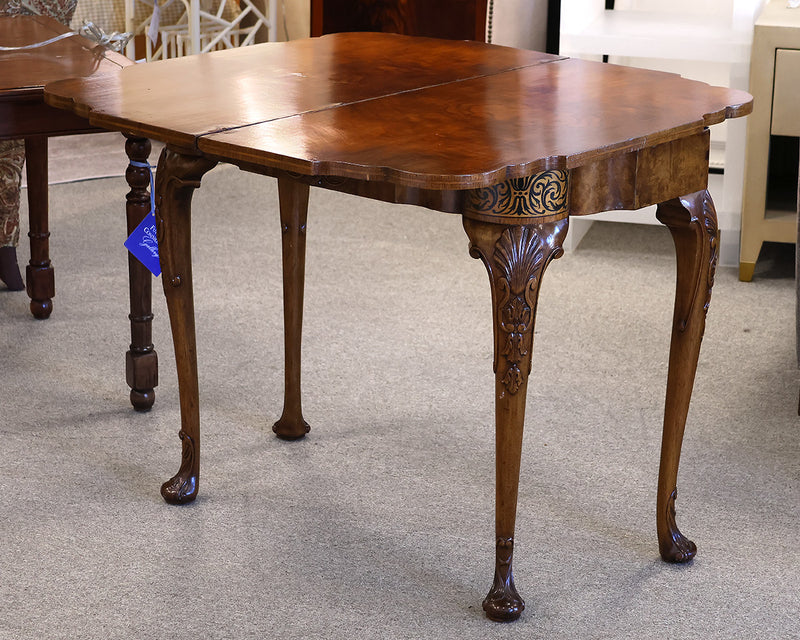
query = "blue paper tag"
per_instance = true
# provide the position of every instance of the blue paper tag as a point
(143, 244)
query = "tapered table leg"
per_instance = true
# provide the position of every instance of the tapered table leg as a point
(177, 177)
(141, 360)
(516, 233)
(40, 278)
(692, 220)
(294, 211)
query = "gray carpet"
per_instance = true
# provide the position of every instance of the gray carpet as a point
(380, 523)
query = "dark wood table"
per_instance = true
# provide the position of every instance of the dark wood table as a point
(514, 141)
(24, 114)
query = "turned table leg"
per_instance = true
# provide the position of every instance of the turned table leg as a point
(294, 211)
(516, 229)
(39, 275)
(692, 220)
(141, 360)
(177, 177)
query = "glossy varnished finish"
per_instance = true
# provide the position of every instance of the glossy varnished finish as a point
(388, 107)
(170, 99)
(539, 117)
(515, 142)
(23, 113)
(451, 19)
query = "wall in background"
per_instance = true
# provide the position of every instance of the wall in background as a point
(520, 23)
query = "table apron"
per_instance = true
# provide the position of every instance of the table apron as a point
(31, 117)
(632, 180)
(642, 177)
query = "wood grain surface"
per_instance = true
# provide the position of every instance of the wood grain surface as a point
(412, 111)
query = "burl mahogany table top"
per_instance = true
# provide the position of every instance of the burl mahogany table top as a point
(412, 111)
(514, 141)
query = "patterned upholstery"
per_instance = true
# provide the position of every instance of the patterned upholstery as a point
(12, 152)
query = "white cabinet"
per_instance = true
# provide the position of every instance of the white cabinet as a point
(770, 204)
(707, 40)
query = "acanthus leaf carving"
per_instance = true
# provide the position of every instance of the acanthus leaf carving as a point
(519, 258)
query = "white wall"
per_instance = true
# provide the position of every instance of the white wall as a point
(520, 23)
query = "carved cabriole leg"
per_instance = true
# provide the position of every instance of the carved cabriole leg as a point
(141, 360)
(692, 220)
(177, 177)
(294, 210)
(39, 275)
(516, 229)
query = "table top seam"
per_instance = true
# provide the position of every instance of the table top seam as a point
(339, 105)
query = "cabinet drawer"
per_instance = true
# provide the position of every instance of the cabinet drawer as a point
(786, 93)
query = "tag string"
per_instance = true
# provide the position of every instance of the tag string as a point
(39, 44)
(115, 41)
(149, 167)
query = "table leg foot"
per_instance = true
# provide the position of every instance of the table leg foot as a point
(291, 428)
(294, 213)
(177, 177)
(182, 487)
(41, 288)
(503, 603)
(692, 221)
(143, 401)
(674, 546)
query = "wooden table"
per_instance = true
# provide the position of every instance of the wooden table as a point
(514, 141)
(23, 114)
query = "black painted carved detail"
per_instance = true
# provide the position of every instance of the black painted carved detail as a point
(543, 194)
(519, 257)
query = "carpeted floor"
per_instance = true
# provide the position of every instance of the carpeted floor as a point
(380, 523)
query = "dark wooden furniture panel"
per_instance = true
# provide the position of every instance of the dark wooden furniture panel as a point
(451, 19)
